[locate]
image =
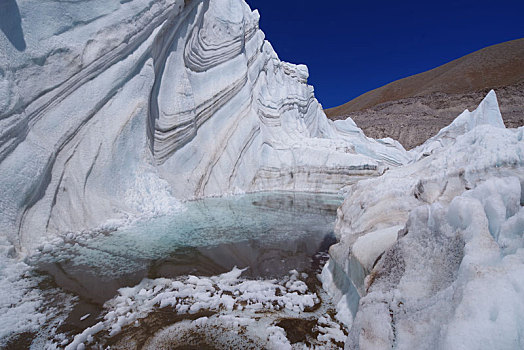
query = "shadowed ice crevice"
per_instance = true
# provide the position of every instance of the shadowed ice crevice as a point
(11, 24)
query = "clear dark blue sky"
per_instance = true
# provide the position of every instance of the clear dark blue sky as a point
(352, 47)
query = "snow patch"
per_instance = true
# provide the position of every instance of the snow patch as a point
(234, 302)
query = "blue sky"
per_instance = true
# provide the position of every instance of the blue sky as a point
(353, 47)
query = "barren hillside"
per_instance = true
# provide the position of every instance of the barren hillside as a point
(414, 108)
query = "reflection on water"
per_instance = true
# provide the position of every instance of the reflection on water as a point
(271, 233)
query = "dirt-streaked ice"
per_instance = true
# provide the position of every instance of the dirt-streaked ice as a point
(114, 106)
(116, 110)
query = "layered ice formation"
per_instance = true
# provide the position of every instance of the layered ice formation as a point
(111, 109)
(430, 255)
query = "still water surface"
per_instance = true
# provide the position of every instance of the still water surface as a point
(269, 233)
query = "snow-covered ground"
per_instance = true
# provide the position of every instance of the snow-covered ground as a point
(242, 313)
(26, 306)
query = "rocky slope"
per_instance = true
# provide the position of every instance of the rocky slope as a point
(415, 108)
(115, 109)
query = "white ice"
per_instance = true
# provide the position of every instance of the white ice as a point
(158, 102)
(453, 277)
(116, 110)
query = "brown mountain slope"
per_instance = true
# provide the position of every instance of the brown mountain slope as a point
(413, 109)
(493, 66)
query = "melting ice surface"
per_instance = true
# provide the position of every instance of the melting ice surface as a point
(267, 233)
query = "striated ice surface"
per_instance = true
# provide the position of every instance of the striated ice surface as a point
(430, 255)
(110, 108)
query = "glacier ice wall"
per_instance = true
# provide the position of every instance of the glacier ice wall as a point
(430, 255)
(115, 108)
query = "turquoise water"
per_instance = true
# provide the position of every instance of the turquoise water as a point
(269, 233)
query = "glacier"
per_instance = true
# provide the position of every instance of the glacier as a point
(431, 254)
(114, 109)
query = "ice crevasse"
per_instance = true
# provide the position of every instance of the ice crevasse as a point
(431, 254)
(112, 109)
